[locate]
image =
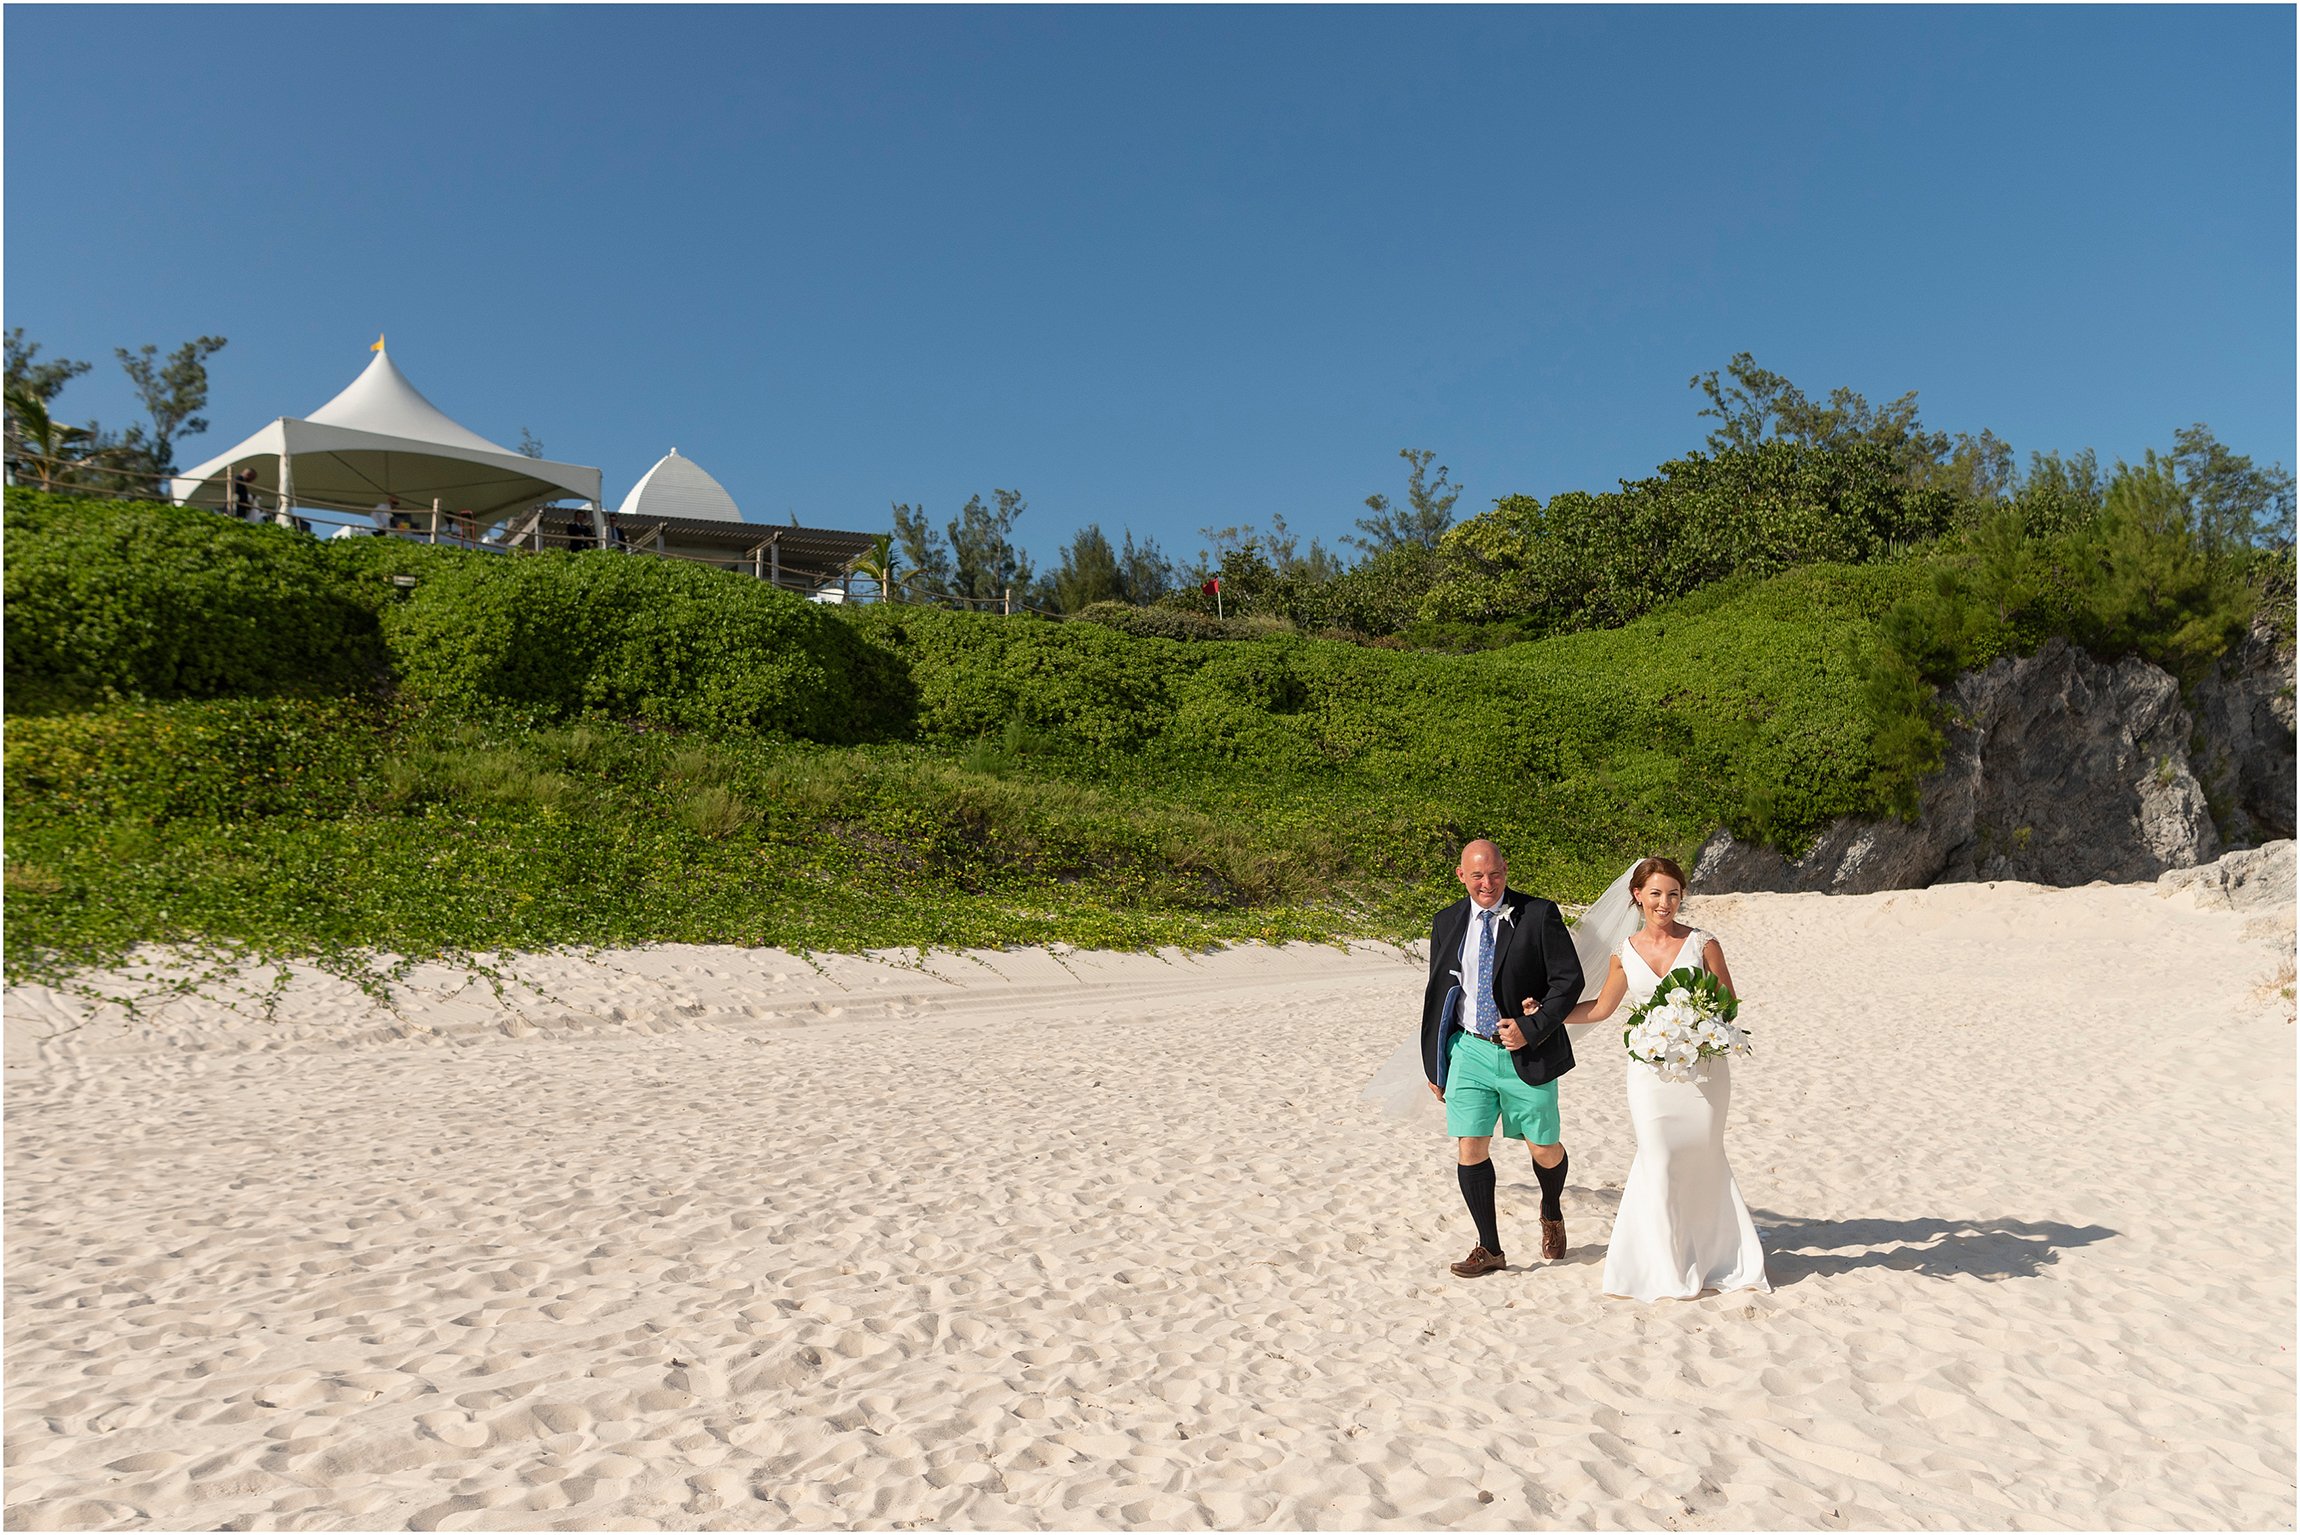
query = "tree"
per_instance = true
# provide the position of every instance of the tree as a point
(1147, 573)
(38, 445)
(1317, 564)
(173, 393)
(2157, 588)
(1423, 520)
(1746, 411)
(923, 548)
(1760, 405)
(530, 444)
(985, 565)
(2231, 504)
(2058, 493)
(1280, 548)
(41, 450)
(1089, 572)
(1978, 468)
(878, 567)
(1092, 571)
(44, 380)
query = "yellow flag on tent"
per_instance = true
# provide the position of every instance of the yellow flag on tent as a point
(378, 342)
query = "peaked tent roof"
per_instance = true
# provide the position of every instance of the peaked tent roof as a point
(380, 437)
(382, 400)
(679, 487)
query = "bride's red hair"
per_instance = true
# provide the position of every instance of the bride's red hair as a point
(1649, 867)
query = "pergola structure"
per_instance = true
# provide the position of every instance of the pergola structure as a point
(809, 559)
(380, 440)
(678, 511)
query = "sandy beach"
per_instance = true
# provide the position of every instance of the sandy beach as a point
(713, 1238)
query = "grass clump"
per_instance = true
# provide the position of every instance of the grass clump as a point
(716, 812)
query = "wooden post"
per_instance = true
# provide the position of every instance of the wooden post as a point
(775, 557)
(1009, 608)
(435, 519)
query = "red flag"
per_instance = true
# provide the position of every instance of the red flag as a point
(1211, 587)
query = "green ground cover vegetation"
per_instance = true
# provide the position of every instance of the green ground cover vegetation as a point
(1034, 782)
(234, 736)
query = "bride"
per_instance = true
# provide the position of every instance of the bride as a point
(1682, 1227)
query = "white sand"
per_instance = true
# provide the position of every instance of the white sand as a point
(719, 1239)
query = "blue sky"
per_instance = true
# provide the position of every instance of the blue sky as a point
(1164, 268)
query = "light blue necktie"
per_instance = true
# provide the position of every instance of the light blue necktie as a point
(1488, 1015)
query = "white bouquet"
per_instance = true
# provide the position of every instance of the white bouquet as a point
(1687, 1022)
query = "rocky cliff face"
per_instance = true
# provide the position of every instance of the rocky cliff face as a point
(2061, 770)
(2244, 746)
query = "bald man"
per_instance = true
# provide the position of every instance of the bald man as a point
(1497, 947)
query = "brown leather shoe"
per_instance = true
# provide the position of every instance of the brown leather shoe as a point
(1553, 1239)
(1479, 1262)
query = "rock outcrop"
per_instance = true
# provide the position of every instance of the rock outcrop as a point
(2061, 770)
(2246, 880)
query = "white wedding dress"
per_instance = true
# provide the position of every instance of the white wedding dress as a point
(1682, 1227)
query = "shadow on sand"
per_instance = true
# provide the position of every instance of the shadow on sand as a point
(1984, 1249)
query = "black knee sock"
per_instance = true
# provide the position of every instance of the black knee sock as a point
(1552, 1185)
(1477, 1193)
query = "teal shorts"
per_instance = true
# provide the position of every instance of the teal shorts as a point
(1481, 1084)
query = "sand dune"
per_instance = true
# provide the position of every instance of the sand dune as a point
(698, 1237)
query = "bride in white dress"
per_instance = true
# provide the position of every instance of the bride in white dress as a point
(1682, 1227)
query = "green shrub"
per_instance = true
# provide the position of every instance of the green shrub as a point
(126, 600)
(1457, 637)
(1378, 596)
(1089, 687)
(1382, 594)
(121, 599)
(554, 637)
(370, 569)
(1584, 561)
(1166, 622)
(1768, 732)
(2270, 575)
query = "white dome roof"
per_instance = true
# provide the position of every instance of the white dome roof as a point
(679, 487)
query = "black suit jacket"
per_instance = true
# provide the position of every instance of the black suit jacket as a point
(1532, 957)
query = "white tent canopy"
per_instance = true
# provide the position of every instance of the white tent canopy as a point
(381, 438)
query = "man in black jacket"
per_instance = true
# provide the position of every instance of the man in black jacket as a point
(1481, 1060)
